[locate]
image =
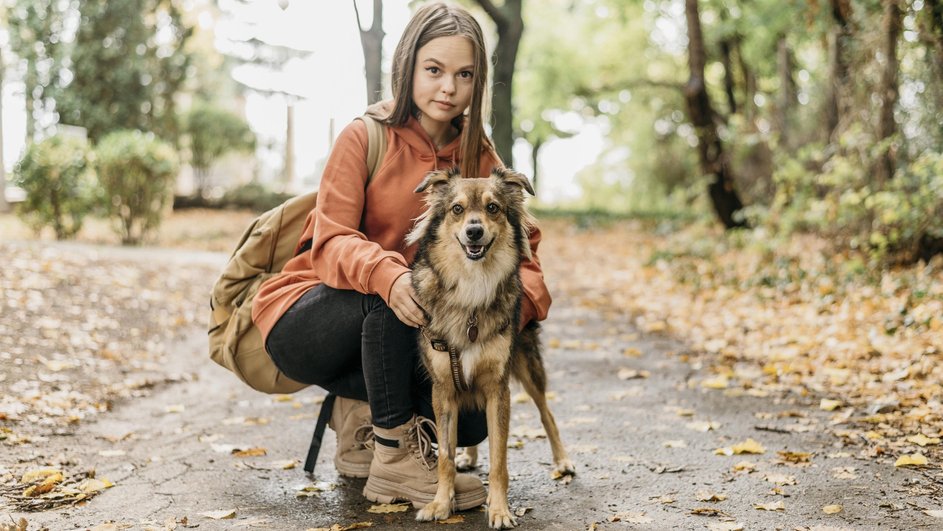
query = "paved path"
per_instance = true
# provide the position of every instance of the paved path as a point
(637, 457)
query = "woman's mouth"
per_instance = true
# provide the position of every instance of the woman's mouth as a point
(444, 105)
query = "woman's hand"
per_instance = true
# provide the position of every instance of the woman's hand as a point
(403, 302)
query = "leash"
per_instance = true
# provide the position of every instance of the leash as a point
(455, 357)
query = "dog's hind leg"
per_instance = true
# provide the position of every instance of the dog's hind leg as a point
(468, 459)
(498, 407)
(528, 368)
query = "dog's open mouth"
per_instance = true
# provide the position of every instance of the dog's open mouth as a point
(476, 251)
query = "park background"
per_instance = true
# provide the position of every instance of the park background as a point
(760, 183)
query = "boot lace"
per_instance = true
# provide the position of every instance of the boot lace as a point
(419, 442)
(363, 437)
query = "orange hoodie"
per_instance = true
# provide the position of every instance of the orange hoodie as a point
(358, 231)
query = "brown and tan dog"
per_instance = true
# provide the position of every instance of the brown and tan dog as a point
(472, 239)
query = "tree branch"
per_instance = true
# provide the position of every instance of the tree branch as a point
(493, 11)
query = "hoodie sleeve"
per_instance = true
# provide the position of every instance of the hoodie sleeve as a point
(536, 301)
(341, 255)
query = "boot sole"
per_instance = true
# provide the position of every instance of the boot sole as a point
(352, 470)
(382, 491)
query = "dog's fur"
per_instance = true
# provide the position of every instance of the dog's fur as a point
(472, 239)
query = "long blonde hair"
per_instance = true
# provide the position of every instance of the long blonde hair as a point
(430, 22)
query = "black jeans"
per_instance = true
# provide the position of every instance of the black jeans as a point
(354, 346)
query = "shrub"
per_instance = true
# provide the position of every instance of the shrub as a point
(253, 196)
(214, 132)
(60, 188)
(137, 172)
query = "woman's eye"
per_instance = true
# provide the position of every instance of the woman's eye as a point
(492, 208)
(466, 75)
(433, 70)
(457, 209)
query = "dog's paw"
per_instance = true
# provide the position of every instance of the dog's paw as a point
(465, 461)
(433, 511)
(564, 467)
(501, 517)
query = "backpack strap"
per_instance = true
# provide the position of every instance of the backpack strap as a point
(376, 145)
(323, 418)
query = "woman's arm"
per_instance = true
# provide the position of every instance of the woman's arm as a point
(341, 255)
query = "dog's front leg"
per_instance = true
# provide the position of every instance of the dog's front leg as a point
(499, 418)
(445, 406)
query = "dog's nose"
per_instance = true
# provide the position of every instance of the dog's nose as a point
(474, 232)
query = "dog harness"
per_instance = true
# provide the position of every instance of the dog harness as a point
(455, 357)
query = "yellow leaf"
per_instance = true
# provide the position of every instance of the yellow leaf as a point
(632, 352)
(777, 506)
(386, 508)
(176, 408)
(829, 405)
(923, 440)
(724, 451)
(454, 519)
(912, 459)
(94, 485)
(744, 466)
(749, 446)
(40, 473)
(832, 509)
(703, 426)
(251, 452)
(220, 515)
(708, 496)
(781, 479)
(720, 382)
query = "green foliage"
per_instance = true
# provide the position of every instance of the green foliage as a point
(137, 172)
(124, 76)
(213, 132)
(60, 188)
(838, 198)
(253, 196)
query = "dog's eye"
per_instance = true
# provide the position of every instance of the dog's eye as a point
(457, 209)
(492, 208)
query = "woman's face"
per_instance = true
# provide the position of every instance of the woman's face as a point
(444, 78)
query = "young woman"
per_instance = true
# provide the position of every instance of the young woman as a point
(343, 315)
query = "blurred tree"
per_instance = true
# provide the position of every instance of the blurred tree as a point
(372, 42)
(37, 29)
(510, 25)
(263, 56)
(710, 148)
(4, 206)
(128, 63)
(839, 42)
(888, 89)
(213, 132)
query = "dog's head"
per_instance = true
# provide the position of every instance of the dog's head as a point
(479, 216)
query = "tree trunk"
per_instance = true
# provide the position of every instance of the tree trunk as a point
(729, 85)
(711, 154)
(371, 41)
(4, 206)
(749, 84)
(887, 127)
(787, 92)
(838, 39)
(510, 24)
(289, 173)
(535, 150)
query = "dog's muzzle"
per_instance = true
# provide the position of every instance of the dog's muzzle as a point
(471, 240)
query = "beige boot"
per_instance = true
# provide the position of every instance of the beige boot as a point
(407, 471)
(351, 421)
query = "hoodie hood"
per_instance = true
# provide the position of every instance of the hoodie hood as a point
(418, 139)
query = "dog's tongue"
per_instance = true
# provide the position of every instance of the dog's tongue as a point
(474, 249)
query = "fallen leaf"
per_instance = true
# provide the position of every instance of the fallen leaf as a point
(708, 496)
(220, 515)
(832, 509)
(776, 506)
(386, 508)
(521, 511)
(828, 404)
(251, 452)
(844, 472)
(795, 457)
(703, 426)
(92, 485)
(720, 382)
(708, 511)
(923, 440)
(911, 460)
(176, 408)
(631, 374)
(744, 466)
(934, 513)
(454, 519)
(780, 479)
(40, 473)
(632, 518)
(748, 446)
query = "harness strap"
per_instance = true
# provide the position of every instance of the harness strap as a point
(323, 418)
(458, 375)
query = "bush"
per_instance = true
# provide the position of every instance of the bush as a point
(253, 196)
(212, 133)
(137, 172)
(60, 188)
(840, 200)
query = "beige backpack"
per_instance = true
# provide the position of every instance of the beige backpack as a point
(266, 245)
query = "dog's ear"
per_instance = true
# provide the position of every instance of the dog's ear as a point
(435, 179)
(515, 178)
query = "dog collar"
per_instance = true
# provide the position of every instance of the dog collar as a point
(455, 357)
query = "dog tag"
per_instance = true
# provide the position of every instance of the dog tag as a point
(472, 332)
